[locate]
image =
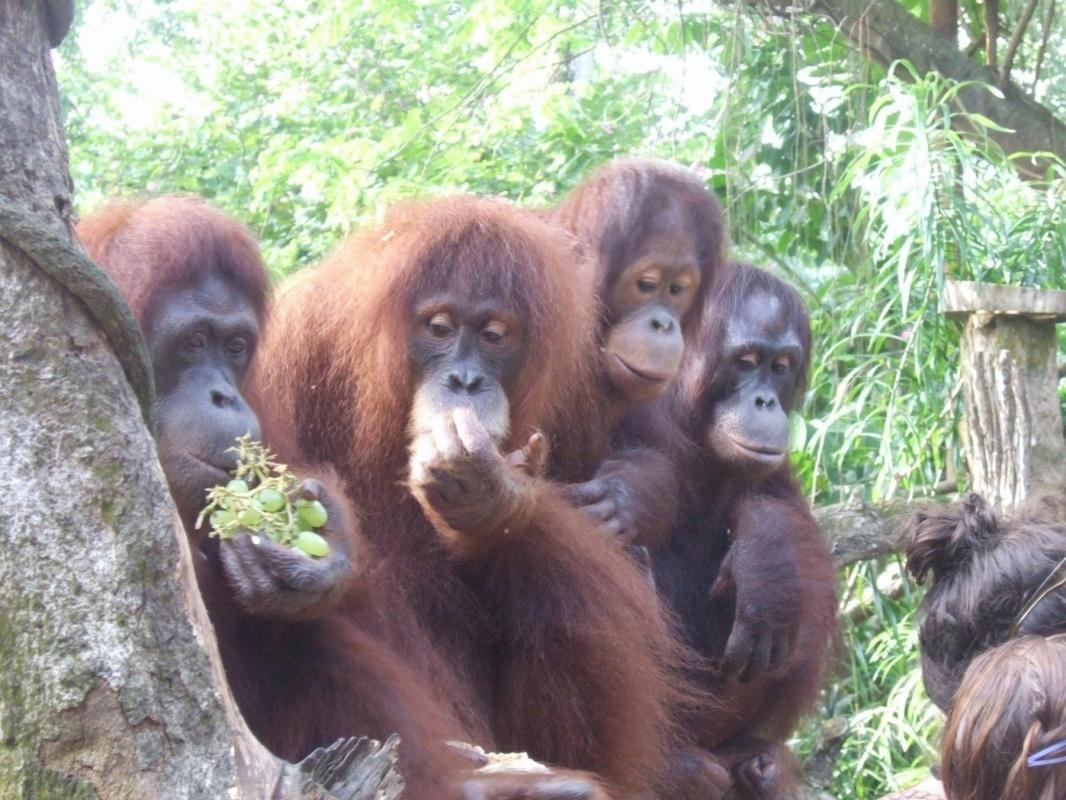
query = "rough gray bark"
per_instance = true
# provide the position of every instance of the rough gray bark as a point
(111, 685)
(857, 532)
(106, 690)
(886, 32)
(353, 769)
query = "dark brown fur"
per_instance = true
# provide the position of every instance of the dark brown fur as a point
(766, 529)
(985, 570)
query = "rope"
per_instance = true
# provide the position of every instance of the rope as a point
(74, 271)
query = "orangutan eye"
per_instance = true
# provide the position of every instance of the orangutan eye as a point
(748, 361)
(781, 364)
(677, 288)
(237, 346)
(196, 342)
(440, 325)
(494, 332)
(647, 285)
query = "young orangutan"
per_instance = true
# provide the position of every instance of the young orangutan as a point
(747, 568)
(656, 242)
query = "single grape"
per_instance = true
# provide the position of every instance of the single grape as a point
(314, 514)
(312, 544)
(249, 517)
(237, 486)
(271, 499)
(222, 518)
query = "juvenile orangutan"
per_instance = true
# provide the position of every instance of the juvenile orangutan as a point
(655, 242)
(747, 568)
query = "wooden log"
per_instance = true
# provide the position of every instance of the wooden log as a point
(1014, 439)
(353, 769)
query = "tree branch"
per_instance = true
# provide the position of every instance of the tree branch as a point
(858, 532)
(1049, 18)
(885, 31)
(1015, 41)
(991, 32)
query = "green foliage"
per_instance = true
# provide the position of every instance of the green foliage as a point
(891, 724)
(929, 202)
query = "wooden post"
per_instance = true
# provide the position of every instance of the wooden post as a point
(1014, 439)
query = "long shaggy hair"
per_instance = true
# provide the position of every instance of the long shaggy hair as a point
(344, 320)
(1010, 706)
(150, 248)
(554, 637)
(991, 579)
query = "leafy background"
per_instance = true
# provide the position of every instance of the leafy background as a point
(304, 118)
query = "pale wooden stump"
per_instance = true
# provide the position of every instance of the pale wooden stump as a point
(1014, 437)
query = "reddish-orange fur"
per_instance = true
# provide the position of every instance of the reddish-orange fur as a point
(612, 210)
(151, 248)
(553, 640)
(299, 684)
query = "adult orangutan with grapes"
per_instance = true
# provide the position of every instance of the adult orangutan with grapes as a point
(748, 570)
(309, 646)
(656, 242)
(415, 360)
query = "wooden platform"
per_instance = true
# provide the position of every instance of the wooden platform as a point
(967, 297)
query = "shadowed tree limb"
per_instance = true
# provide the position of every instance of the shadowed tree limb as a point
(886, 32)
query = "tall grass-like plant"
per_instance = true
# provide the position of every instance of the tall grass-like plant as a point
(892, 726)
(930, 201)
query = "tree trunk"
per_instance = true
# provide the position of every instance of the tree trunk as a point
(885, 32)
(944, 19)
(110, 685)
(1014, 442)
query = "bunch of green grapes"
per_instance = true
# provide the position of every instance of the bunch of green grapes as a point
(265, 497)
